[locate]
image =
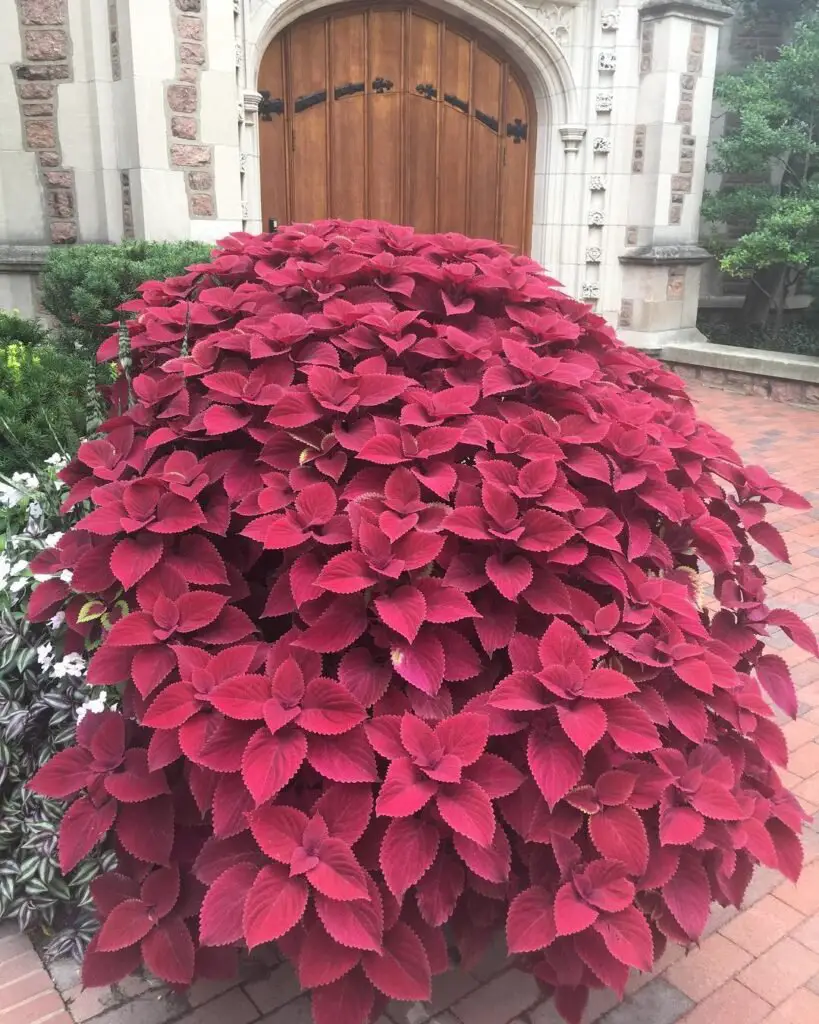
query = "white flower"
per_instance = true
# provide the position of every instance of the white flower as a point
(45, 655)
(9, 495)
(57, 461)
(56, 621)
(53, 539)
(66, 575)
(28, 480)
(95, 706)
(71, 665)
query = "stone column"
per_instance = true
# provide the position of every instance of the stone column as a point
(662, 261)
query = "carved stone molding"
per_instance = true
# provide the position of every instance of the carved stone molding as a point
(590, 291)
(250, 101)
(557, 18)
(610, 20)
(597, 183)
(594, 254)
(607, 61)
(572, 135)
(687, 252)
(596, 218)
(603, 102)
(602, 144)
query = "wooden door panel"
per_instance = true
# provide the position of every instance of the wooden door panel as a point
(395, 112)
(307, 70)
(517, 165)
(485, 153)
(348, 116)
(385, 165)
(273, 140)
(453, 161)
(423, 110)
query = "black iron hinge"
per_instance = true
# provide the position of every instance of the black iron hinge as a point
(350, 89)
(428, 91)
(517, 131)
(454, 101)
(382, 85)
(268, 106)
(311, 100)
(487, 119)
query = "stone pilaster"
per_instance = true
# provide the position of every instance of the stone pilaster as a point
(661, 261)
(46, 63)
(183, 99)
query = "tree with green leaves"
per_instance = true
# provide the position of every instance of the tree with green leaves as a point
(769, 200)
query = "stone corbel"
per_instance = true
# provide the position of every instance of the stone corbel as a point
(250, 103)
(685, 253)
(713, 12)
(572, 135)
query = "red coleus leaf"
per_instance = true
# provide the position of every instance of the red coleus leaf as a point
(407, 852)
(530, 925)
(221, 918)
(350, 999)
(356, 923)
(169, 952)
(274, 904)
(400, 969)
(627, 937)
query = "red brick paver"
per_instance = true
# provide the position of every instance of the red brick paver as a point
(756, 966)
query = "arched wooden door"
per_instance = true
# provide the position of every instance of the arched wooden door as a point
(395, 112)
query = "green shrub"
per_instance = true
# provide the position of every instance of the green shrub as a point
(48, 401)
(801, 337)
(42, 695)
(20, 329)
(84, 284)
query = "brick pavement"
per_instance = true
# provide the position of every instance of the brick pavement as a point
(760, 964)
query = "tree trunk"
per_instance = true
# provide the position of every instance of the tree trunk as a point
(764, 291)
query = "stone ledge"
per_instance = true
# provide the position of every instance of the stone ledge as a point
(712, 11)
(780, 376)
(783, 365)
(657, 255)
(23, 259)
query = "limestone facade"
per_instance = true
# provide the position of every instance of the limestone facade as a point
(139, 118)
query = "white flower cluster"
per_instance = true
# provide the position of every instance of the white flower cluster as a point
(57, 461)
(96, 706)
(14, 576)
(19, 488)
(70, 665)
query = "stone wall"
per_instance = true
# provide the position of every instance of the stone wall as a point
(793, 392)
(46, 63)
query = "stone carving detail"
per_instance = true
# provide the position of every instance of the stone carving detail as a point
(188, 152)
(607, 61)
(127, 208)
(243, 163)
(594, 254)
(639, 151)
(245, 213)
(646, 47)
(239, 57)
(590, 290)
(610, 20)
(596, 219)
(558, 21)
(602, 144)
(596, 183)
(46, 63)
(603, 103)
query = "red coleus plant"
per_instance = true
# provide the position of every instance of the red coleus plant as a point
(393, 554)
